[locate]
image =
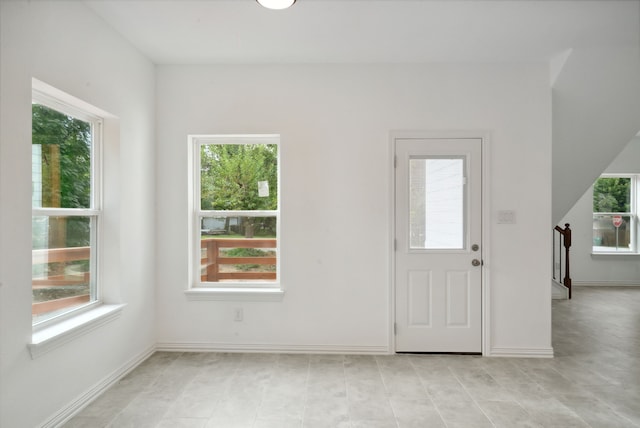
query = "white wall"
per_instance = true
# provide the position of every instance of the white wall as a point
(601, 269)
(335, 122)
(68, 47)
(596, 111)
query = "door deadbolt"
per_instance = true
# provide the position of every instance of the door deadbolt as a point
(476, 262)
(475, 247)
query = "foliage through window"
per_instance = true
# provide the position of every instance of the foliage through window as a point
(615, 216)
(65, 207)
(236, 218)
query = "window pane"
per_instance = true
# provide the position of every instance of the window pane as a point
(237, 249)
(239, 177)
(61, 264)
(612, 195)
(607, 237)
(436, 203)
(61, 160)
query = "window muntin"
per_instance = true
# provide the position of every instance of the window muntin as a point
(65, 208)
(236, 218)
(615, 216)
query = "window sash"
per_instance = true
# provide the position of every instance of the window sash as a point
(632, 215)
(196, 141)
(238, 213)
(66, 212)
(94, 212)
(47, 318)
(96, 122)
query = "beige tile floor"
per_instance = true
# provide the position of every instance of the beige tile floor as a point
(594, 381)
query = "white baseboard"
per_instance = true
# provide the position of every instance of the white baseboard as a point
(73, 408)
(270, 348)
(559, 291)
(606, 284)
(522, 352)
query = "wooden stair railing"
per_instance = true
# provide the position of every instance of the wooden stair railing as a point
(563, 237)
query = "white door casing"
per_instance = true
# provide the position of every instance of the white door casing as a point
(438, 248)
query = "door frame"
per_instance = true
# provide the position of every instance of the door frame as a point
(484, 137)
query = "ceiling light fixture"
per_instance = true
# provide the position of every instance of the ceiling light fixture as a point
(276, 4)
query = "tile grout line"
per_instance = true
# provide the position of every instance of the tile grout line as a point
(554, 397)
(384, 384)
(426, 391)
(306, 394)
(473, 398)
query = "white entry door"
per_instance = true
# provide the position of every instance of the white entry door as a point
(438, 248)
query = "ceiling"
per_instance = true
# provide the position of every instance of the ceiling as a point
(368, 31)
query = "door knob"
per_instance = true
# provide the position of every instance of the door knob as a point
(476, 262)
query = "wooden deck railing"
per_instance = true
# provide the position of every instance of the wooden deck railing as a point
(212, 260)
(59, 255)
(563, 238)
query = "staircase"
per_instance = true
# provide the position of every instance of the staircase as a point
(596, 112)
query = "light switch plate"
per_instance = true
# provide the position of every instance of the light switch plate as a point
(506, 217)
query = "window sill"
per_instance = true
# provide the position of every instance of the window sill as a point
(236, 294)
(49, 338)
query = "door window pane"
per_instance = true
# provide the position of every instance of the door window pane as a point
(436, 203)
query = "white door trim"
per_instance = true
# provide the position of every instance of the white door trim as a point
(486, 216)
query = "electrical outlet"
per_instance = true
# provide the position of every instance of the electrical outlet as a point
(238, 315)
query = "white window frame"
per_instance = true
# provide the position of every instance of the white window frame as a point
(94, 212)
(634, 204)
(61, 329)
(241, 290)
